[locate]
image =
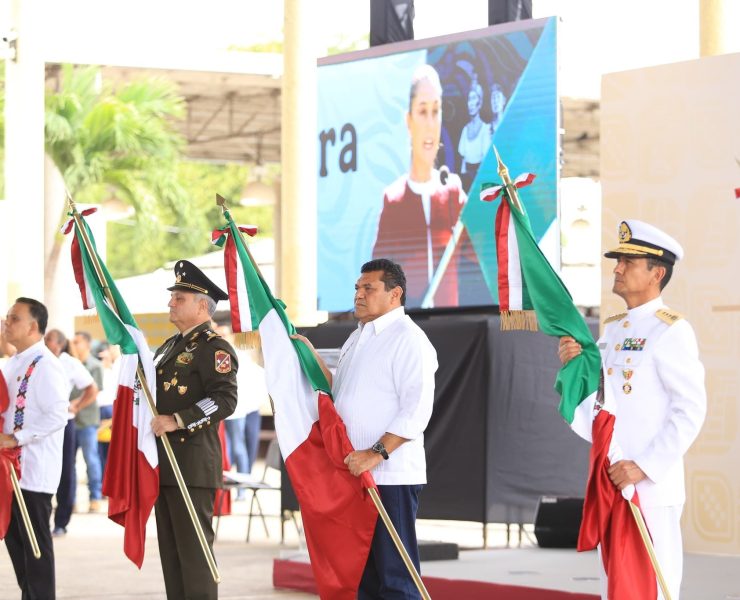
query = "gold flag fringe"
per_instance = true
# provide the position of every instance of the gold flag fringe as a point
(248, 340)
(517, 320)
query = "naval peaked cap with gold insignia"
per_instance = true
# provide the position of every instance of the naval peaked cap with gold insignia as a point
(189, 278)
(637, 238)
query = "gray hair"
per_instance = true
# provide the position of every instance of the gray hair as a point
(210, 303)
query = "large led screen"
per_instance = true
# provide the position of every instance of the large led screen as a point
(405, 140)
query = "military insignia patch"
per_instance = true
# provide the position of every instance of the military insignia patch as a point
(223, 361)
(184, 358)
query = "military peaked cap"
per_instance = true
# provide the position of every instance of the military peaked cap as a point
(637, 238)
(189, 278)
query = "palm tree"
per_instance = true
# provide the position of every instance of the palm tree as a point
(118, 143)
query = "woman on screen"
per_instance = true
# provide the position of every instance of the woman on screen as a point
(498, 103)
(421, 207)
(475, 139)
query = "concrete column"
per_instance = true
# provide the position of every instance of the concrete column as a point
(718, 27)
(24, 156)
(296, 249)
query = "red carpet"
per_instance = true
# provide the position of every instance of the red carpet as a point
(296, 575)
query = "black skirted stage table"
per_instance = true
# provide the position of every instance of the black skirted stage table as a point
(495, 442)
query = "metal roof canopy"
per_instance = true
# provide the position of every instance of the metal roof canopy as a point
(230, 117)
(235, 117)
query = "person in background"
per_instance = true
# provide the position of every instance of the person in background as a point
(498, 104)
(87, 420)
(81, 391)
(109, 356)
(475, 138)
(235, 422)
(34, 424)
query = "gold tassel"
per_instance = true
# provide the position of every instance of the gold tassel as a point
(248, 340)
(519, 320)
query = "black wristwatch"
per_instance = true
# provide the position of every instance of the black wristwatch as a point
(379, 448)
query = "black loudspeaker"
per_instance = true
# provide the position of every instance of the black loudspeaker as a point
(557, 521)
(391, 21)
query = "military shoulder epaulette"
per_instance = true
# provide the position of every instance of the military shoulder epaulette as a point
(210, 334)
(615, 318)
(668, 316)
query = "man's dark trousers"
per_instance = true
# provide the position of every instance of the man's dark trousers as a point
(35, 575)
(386, 576)
(67, 490)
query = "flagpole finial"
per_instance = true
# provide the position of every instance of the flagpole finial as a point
(498, 159)
(70, 201)
(503, 171)
(221, 201)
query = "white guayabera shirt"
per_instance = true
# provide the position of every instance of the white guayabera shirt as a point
(44, 417)
(385, 383)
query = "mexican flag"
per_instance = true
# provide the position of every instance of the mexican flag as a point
(9, 459)
(338, 514)
(515, 304)
(131, 479)
(585, 403)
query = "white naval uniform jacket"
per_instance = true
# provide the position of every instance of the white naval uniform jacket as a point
(651, 360)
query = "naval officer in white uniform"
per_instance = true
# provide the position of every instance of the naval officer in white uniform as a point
(651, 360)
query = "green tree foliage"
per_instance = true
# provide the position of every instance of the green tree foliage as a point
(202, 181)
(122, 143)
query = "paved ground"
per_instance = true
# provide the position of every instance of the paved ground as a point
(91, 564)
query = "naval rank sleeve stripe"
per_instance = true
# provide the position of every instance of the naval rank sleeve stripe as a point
(207, 405)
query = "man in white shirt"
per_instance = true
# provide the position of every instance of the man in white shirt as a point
(34, 422)
(384, 391)
(81, 391)
(651, 360)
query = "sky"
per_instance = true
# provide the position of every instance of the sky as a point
(596, 37)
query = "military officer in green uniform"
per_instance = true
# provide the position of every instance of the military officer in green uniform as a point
(196, 388)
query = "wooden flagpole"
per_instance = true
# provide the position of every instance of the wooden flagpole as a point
(640, 521)
(150, 401)
(24, 513)
(399, 544)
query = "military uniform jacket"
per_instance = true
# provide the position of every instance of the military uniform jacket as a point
(196, 378)
(651, 360)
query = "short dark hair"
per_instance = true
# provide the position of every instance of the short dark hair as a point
(58, 336)
(393, 275)
(85, 335)
(38, 312)
(654, 262)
